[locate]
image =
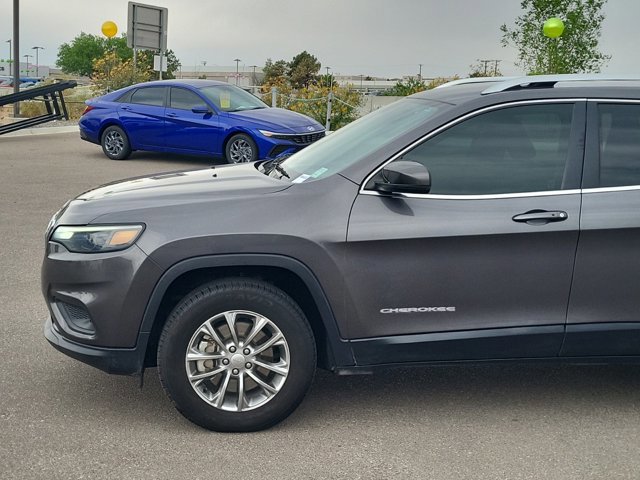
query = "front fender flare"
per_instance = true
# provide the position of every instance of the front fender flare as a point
(341, 349)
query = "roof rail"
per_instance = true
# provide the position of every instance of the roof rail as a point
(465, 81)
(548, 81)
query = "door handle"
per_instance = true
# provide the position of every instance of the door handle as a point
(172, 115)
(125, 108)
(540, 217)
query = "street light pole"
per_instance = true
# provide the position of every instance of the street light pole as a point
(28, 57)
(9, 42)
(237, 60)
(253, 80)
(37, 61)
(16, 54)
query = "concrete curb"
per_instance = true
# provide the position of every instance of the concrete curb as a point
(43, 131)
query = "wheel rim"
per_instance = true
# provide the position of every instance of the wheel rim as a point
(113, 143)
(241, 151)
(237, 360)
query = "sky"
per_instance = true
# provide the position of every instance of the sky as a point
(386, 38)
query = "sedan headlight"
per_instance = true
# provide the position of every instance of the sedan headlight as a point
(267, 133)
(97, 238)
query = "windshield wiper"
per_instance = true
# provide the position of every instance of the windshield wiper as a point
(274, 164)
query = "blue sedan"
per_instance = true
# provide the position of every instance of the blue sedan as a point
(200, 117)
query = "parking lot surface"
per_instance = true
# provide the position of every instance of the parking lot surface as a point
(62, 419)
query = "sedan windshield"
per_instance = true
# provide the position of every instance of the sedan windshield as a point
(355, 141)
(232, 99)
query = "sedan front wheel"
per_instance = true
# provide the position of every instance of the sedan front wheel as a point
(241, 149)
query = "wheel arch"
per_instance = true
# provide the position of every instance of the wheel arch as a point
(236, 131)
(111, 122)
(287, 274)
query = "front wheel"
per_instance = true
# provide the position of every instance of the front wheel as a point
(115, 143)
(236, 355)
(241, 149)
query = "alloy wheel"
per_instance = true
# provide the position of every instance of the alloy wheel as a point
(113, 143)
(241, 151)
(237, 360)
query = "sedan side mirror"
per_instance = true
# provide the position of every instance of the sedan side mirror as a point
(404, 176)
(201, 109)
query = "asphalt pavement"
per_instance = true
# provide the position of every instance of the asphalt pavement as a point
(61, 419)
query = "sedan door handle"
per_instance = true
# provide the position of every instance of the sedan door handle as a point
(172, 115)
(125, 108)
(540, 217)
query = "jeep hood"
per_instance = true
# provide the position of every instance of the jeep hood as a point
(171, 189)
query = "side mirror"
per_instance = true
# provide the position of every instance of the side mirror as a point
(404, 176)
(201, 109)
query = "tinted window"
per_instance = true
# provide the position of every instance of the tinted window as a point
(149, 96)
(619, 145)
(126, 98)
(512, 150)
(184, 99)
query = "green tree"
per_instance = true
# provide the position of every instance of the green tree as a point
(78, 56)
(312, 101)
(110, 72)
(576, 51)
(485, 69)
(326, 79)
(402, 88)
(145, 60)
(303, 69)
(274, 72)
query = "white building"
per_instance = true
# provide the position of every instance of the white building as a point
(26, 70)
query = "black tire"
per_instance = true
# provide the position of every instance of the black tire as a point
(241, 148)
(115, 143)
(206, 304)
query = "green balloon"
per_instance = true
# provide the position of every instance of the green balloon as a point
(553, 28)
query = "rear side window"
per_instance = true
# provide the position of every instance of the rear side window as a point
(619, 145)
(184, 99)
(125, 98)
(149, 96)
(512, 150)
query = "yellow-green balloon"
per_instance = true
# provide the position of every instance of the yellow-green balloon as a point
(553, 28)
(109, 29)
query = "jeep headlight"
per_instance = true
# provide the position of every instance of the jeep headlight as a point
(96, 238)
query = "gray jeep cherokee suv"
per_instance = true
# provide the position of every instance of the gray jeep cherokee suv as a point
(491, 219)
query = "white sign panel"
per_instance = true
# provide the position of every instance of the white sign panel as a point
(156, 63)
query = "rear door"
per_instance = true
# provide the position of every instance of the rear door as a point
(604, 310)
(481, 267)
(186, 130)
(143, 117)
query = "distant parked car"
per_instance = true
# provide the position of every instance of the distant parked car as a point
(200, 117)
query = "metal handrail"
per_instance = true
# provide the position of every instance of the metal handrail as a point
(53, 100)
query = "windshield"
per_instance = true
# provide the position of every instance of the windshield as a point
(231, 99)
(355, 141)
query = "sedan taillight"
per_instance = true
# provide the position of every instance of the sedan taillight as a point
(88, 109)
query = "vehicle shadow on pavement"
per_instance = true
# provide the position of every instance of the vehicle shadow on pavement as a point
(394, 396)
(175, 157)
